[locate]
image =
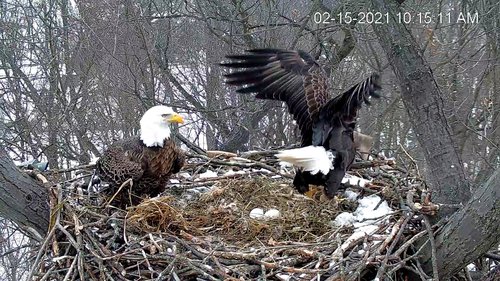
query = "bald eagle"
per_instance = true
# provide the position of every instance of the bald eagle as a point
(148, 159)
(326, 123)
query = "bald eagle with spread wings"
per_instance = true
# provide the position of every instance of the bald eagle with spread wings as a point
(326, 123)
(148, 159)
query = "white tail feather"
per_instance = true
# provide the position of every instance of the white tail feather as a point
(313, 159)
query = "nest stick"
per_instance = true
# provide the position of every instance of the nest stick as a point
(129, 181)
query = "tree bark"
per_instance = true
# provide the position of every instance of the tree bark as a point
(471, 232)
(22, 200)
(423, 101)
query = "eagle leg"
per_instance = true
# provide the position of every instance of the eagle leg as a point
(335, 176)
(333, 181)
(300, 182)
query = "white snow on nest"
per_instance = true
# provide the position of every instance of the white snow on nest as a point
(364, 220)
(262, 170)
(93, 160)
(284, 164)
(354, 180)
(344, 219)
(232, 173)
(174, 181)
(283, 277)
(207, 174)
(351, 195)
(366, 210)
(184, 175)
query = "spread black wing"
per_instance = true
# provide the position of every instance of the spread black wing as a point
(340, 112)
(290, 76)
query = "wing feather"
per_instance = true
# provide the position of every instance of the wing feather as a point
(293, 77)
(342, 110)
(348, 103)
(121, 161)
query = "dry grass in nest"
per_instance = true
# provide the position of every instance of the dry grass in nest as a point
(157, 214)
(224, 212)
(213, 238)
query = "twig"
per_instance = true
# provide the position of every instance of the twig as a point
(492, 256)
(41, 252)
(81, 167)
(70, 269)
(189, 144)
(252, 164)
(129, 181)
(397, 231)
(432, 241)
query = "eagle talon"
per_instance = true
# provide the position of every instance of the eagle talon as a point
(303, 189)
(330, 193)
(313, 192)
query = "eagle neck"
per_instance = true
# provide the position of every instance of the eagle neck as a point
(155, 135)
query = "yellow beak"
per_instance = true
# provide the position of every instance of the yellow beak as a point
(176, 118)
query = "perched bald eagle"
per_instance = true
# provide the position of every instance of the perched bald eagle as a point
(326, 123)
(148, 159)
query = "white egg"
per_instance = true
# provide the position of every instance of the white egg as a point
(257, 213)
(272, 214)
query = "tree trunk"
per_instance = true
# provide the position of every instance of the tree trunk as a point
(423, 102)
(471, 232)
(22, 200)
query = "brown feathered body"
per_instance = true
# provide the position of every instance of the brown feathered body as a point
(148, 167)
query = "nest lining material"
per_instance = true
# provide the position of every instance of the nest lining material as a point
(213, 237)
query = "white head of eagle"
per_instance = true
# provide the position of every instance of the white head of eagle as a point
(155, 125)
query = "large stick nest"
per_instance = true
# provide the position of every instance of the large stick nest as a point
(212, 236)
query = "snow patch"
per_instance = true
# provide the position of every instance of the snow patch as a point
(233, 173)
(93, 160)
(354, 180)
(366, 220)
(283, 277)
(344, 219)
(368, 210)
(284, 164)
(184, 175)
(207, 174)
(351, 195)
